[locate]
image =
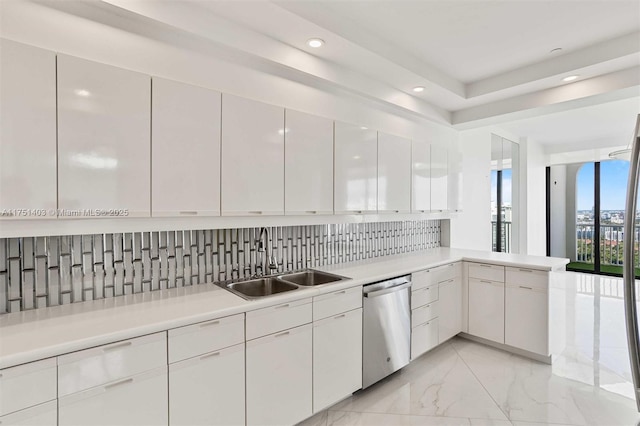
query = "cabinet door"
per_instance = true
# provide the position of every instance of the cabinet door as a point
(356, 174)
(137, 400)
(185, 150)
(527, 319)
(28, 131)
(41, 415)
(308, 168)
(486, 309)
(209, 389)
(421, 175)
(337, 358)
(27, 385)
(439, 178)
(104, 138)
(424, 337)
(252, 157)
(394, 174)
(450, 309)
(279, 376)
(454, 184)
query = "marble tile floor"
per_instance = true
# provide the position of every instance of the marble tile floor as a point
(466, 383)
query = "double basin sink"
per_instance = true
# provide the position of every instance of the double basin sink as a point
(271, 285)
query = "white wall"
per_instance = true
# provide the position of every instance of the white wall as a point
(533, 222)
(558, 211)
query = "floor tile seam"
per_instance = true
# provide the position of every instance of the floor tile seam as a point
(481, 384)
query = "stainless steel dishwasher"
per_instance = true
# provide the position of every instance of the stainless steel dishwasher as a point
(386, 342)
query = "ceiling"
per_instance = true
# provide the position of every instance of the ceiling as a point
(481, 62)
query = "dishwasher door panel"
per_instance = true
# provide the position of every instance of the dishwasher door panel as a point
(386, 335)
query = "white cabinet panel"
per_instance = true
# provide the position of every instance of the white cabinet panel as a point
(394, 174)
(208, 390)
(27, 130)
(331, 304)
(134, 401)
(279, 377)
(41, 415)
(439, 178)
(527, 318)
(337, 358)
(424, 313)
(104, 132)
(455, 197)
(27, 385)
(424, 295)
(486, 309)
(308, 166)
(252, 157)
(277, 318)
(421, 175)
(185, 150)
(424, 337)
(485, 271)
(450, 307)
(356, 164)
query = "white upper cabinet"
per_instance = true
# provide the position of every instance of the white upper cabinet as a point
(439, 178)
(252, 157)
(455, 181)
(308, 166)
(104, 119)
(185, 150)
(421, 175)
(27, 130)
(394, 174)
(356, 174)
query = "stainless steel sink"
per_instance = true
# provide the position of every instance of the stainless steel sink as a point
(260, 287)
(311, 278)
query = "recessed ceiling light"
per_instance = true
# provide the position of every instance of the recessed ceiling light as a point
(82, 92)
(570, 78)
(315, 42)
(363, 128)
(418, 89)
(556, 50)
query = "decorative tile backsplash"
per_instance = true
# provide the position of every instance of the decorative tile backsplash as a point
(36, 272)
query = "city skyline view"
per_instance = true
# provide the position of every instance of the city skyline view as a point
(613, 185)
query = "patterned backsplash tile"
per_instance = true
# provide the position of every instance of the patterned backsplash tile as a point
(36, 272)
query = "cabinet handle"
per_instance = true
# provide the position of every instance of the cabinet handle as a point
(484, 266)
(340, 292)
(282, 334)
(210, 355)
(357, 211)
(447, 281)
(486, 282)
(121, 382)
(210, 323)
(396, 211)
(282, 306)
(525, 270)
(340, 316)
(311, 211)
(526, 288)
(255, 212)
(189, 212)
(116, 346)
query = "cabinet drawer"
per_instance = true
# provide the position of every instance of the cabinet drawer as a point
(530, 278)
(197, 339)
(424, 337)
(484, 271)
(424, 313)
(137, 400)
(27, 385)
(277, 318)
(423, 296)
(337, 302)
(96, 366)
(41, 415)
(435, 275)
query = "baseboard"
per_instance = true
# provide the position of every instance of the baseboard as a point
(527, 354)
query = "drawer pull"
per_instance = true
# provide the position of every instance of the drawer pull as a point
(525, 270)
(116, 346)
(121, 382)
(526, 288)
(282, 334)
(484, 266)
(210, 355)
(486, 282)
(255, 212)
(210, 323)
(340, 292)
(189, 212)
(312, 211)
(447, 281)
(340, 316)
(286, 305)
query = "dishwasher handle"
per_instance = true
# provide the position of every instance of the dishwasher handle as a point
(388, 290)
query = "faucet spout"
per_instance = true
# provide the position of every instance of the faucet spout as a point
(269, 260)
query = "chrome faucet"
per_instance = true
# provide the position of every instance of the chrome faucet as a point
(264, 246)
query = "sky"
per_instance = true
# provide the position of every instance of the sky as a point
(506, 185)
(613, 185)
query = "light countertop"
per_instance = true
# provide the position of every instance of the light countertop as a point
(41, 333)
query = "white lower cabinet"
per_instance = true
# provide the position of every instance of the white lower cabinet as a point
(41, 415)
(337, 358)
(279, 377)
(486, 309)
(450, 308)
(27, 385)
(424, 337)
(208, 389)
(136, 400)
